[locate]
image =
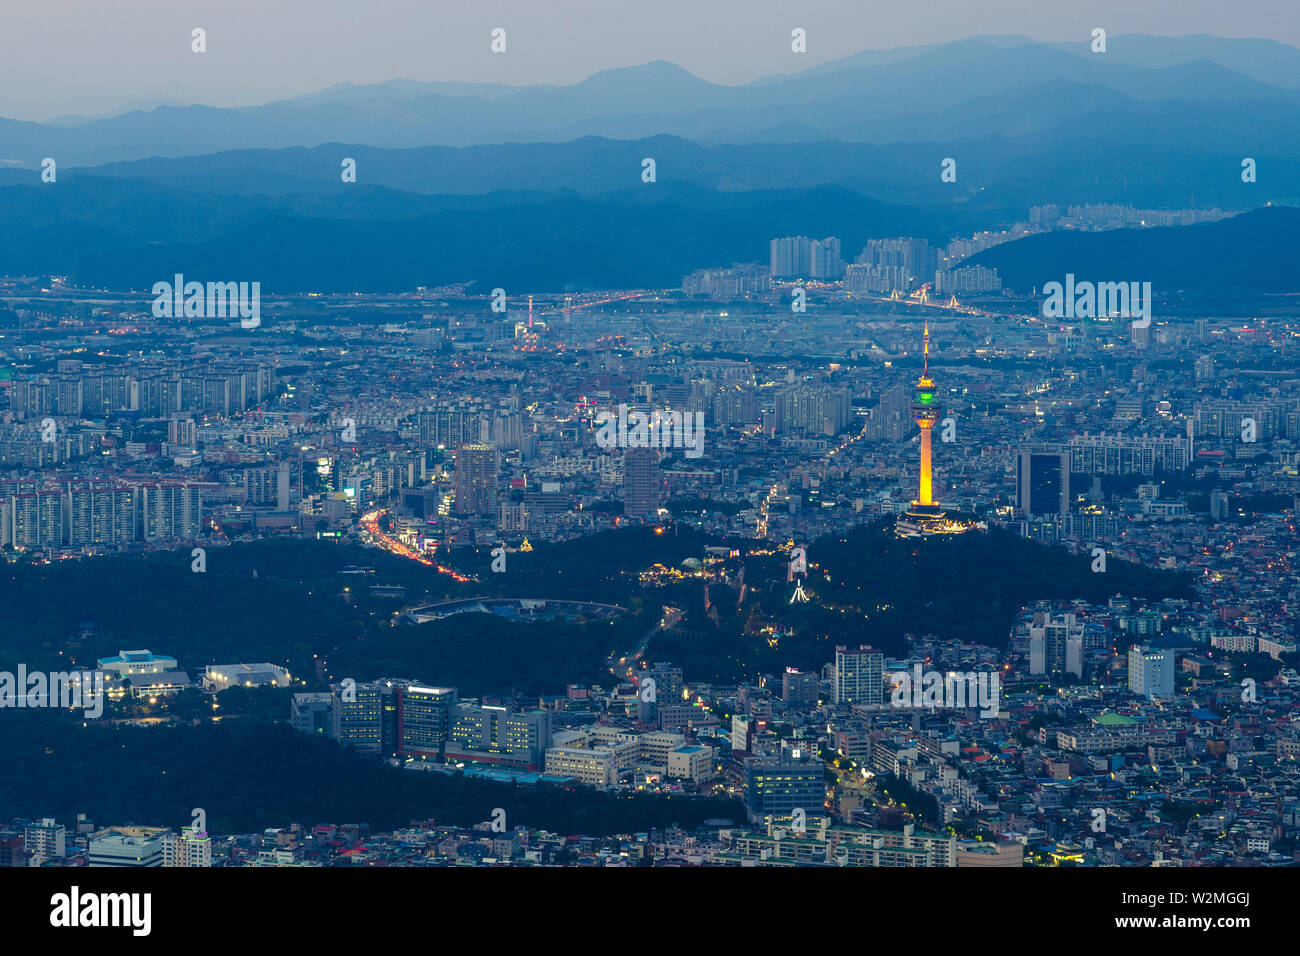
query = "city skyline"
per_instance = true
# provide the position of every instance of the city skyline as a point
(652, 438)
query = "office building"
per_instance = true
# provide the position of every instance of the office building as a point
(1151, 672)
(1043, 482)
(424, 718)
(800, 689)
(777, 786)
(312, 713)
(356, 716)
(492, 734)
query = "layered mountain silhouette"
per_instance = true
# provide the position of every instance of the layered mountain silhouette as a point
(379, 240)
(542, 186)
(916, 93)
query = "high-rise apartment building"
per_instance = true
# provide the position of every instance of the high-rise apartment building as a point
(191, 847)
(641, 483)
(825, 260)
(814, 409)
(45, 840)
(915, 257)
(476, 479)
(1128, 454)
(100, 513)
(449, 424)
(1056, 645)
(11, 848)
(801, 257)
(791, 257)
(733, 283)
(36, 520)
(171, 510)
(859, 675)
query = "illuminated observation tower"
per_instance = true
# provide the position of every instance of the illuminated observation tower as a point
(924, 517)
(926, 413)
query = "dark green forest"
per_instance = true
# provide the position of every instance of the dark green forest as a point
(868, 587)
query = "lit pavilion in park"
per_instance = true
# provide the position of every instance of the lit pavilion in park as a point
(925, 517)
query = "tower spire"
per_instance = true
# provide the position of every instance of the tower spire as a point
(925, 351)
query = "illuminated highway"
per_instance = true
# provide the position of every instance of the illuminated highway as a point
(370, 522)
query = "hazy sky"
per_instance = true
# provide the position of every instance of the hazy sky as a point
(93, 56)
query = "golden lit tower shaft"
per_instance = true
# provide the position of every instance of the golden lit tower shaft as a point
(926, 413)
(923, 493)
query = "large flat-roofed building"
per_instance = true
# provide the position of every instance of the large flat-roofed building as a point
(595, 768)
(483, 733)
(655, 748)
(219, 677)
(971, 853)
(693, 763)
(158, 685)
(126, 663)
(818, 843)
(127, 846)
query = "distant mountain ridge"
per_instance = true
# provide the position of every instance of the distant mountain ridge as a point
(379, 240)
(542, 186)
(1091, 157)
(127, 234)
(874, 97)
